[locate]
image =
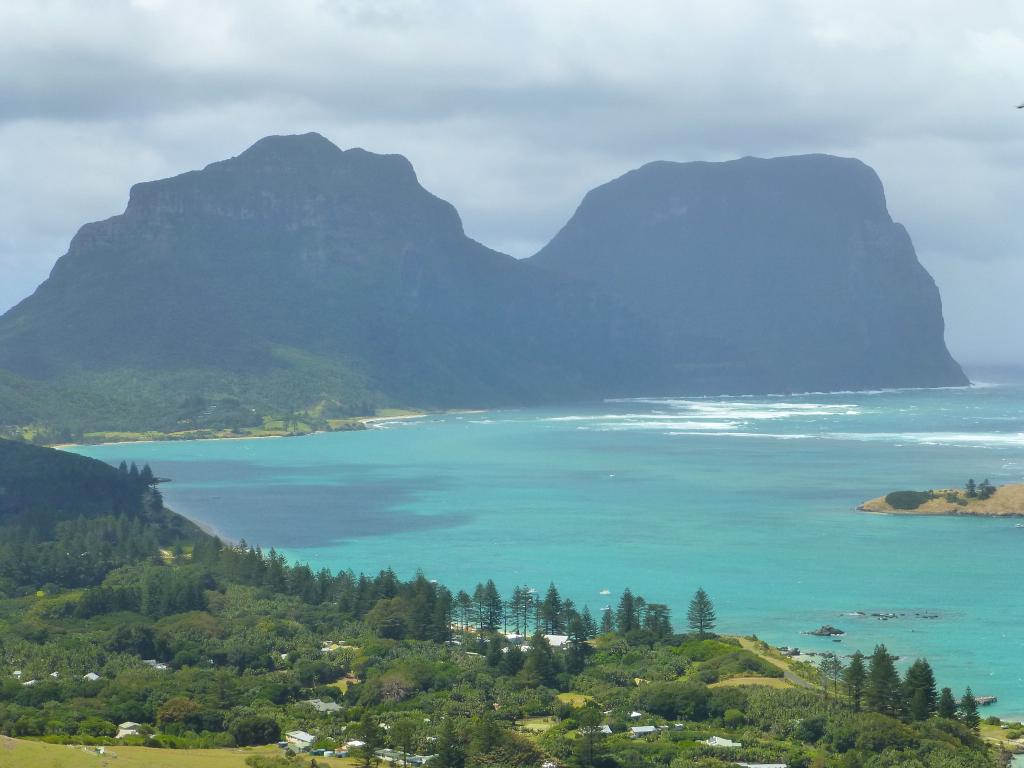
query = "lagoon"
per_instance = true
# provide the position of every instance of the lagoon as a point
(752, 498)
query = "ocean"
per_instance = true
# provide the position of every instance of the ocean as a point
(752, 498)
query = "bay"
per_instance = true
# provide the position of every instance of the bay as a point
(754, 499)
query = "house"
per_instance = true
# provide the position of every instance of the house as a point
(355, 744)
(128, 728)
(323, 706)
(30, 682)
(634, 715)
(636, 731)
(556, 641)
(55, 675)
(763, 765)
(92, 677)
(605, 729)
(718, 741)
(155, 664)
(17, 673)
(299, 739)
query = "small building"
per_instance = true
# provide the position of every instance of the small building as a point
(718, 741)
(30, 682)
(55, 675)
(128, 728)
(637, 731)
(634, 715)
(556, 641)
(355, 744)
(605, 729)
(17, 673)
(92, 677)
(299, 739)
(323, 706)
(763, 765)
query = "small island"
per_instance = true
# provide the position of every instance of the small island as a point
(974, 499)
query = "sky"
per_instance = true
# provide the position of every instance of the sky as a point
(512, 111)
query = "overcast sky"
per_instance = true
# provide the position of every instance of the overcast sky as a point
(512, 111)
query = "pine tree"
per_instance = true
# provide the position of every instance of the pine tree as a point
(947, 704)
(855, 677)
(969, 710)
(701, 614)
(607, 621)
(625, 616)
(550, 611)
(971, 488)
(448, 749)
(883, 689)
(919, 691)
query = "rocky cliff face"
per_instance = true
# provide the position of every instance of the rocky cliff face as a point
(299, 274)
(782, 275)
(332, 274)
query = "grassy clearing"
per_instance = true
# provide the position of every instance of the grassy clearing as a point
(19, 753)
(771, 682)
(536, 724)
(575, 699)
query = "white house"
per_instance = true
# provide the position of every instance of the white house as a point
(30, 682)
(300, 739)
(763, 765)
(92, 677)
(718, 741)
(128, 728)
(634, 715)
(605, 729)
(636, 731)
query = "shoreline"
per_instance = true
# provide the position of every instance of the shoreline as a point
(365, 422)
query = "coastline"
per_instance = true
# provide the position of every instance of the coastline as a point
(363, 422)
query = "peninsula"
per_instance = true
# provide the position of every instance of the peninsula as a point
(1004, 501)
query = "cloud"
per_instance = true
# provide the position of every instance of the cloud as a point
(513, 110)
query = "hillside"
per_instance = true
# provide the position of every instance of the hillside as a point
(776, 275)
(70, 519)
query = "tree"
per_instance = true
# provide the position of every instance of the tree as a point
(947, 704)
(449, 752)
(855, 677)
(403, 737)
(550, 611)
(969, 710)
(919, 691)
(372, 735)
(831, 670)
(589, 719)
(607, 621)
(486, 734)
(701, 614)
(626, 615)
(657, 620)
(883, 692)
(971, 488)
(541, 667)
(252, 730)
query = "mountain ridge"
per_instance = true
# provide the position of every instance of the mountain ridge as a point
(297, 276)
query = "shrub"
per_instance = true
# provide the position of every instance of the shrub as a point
(908, 499)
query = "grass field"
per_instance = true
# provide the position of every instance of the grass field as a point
(536, 724)
(575, 699)
(19, 753)
(771, 682)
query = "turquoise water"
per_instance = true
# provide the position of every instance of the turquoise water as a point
(752, 498)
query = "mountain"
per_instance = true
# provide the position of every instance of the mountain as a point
(298, 274)
(298, 278)
(786, 274)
